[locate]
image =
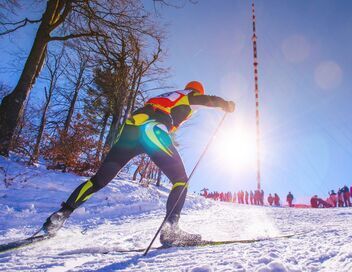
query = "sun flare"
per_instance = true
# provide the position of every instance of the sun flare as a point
(235, 147)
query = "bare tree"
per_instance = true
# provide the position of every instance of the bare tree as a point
(62, 20)
(123, 74)
(22, 142)
(101, 136)
(145, 170)
(141, 163)
(119, 91)
(7, 7)
(158, 179)
(55, 70)
(75, 74)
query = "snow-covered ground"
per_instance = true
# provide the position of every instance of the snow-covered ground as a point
(125, 215)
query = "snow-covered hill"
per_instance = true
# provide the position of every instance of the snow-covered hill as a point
(125, 215)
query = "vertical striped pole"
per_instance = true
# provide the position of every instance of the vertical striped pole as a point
(256, 90)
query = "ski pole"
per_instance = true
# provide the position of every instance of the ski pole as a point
(185, 186)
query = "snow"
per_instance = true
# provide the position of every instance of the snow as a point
(125, 215)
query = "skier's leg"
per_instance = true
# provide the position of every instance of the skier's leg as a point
(115, 160)
(122, 151)
(126, 148)
(173, 168)
(159, 147)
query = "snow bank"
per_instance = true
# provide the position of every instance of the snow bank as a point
(28, 194)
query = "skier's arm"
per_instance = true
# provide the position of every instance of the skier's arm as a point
(211, 101)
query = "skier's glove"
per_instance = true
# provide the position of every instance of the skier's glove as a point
(229, 106)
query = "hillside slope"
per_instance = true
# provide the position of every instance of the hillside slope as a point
(125, 215)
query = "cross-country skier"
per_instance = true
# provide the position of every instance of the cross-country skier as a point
(148, 131)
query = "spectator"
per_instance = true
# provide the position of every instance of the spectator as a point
(256, 197)
(314, 201)
(333, 198)
(317, 202)
(289, 199)
(276, 200)
(246, 197)
(229, 197)
(262, 197)
(205, 192)
(340, 197)
(270, 199)
(346, 196)
(242, 197)
(251, 197)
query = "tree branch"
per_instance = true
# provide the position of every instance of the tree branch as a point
(19, 24)
(63, 16)
(74, 36)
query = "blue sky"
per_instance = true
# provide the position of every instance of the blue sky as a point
(304, 68)
(305, 93)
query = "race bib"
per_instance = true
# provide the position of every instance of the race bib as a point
(168, 99)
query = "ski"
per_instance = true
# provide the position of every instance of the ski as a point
(35, 239)
(203, 243)
(246, 241)
(24, 242)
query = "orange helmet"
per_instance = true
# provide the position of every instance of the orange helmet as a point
(195, 86)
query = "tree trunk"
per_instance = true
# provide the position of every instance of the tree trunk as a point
(101, 136)
(155, 172)
(129, 105)
(145, 171)
(35, 155)
(150, 173)
(71, 109)
(158, 180)
(12, 106)
(21, 124)
(138, 169)
(113, 131)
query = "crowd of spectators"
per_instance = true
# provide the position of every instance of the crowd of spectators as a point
(253, 197)
(340, 199)
(274, 200)
(256, 197)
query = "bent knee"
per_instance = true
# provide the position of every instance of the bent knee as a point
(98, 184)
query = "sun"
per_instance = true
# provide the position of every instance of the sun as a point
(235, 147)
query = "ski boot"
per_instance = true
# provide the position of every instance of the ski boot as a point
(55, 221)
(172, 235)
